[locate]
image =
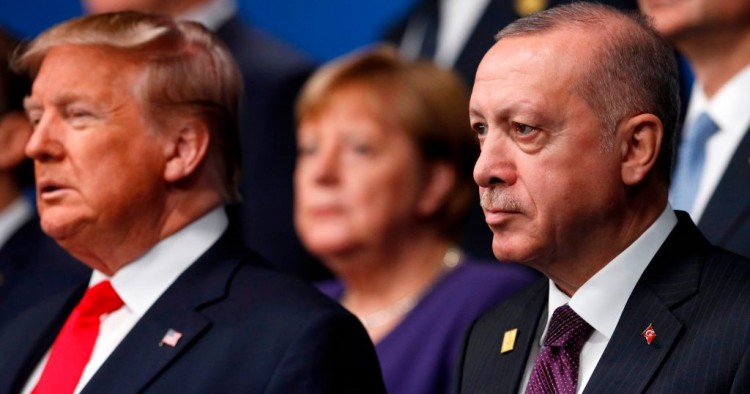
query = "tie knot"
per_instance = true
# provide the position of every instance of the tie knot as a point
(703, 128)
(567, 329)
(99, 299)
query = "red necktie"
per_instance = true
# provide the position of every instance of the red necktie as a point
(75, 342)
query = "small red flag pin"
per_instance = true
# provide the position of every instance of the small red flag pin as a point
(171, 338)
(649, 334)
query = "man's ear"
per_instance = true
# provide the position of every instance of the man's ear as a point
(15, 130)
(640, 144)
(440, 178)
(186, 149)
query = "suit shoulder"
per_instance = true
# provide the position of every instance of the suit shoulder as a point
(253, 286)
(513, 307)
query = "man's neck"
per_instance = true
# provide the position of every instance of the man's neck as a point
(716, 57)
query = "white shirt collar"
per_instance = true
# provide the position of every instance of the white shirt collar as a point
(212, 14)
(13, 218)
(728, 107)
(141, 282)
(601, 300)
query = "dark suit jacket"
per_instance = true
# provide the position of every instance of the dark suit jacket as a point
(244, 330)
(726, 219)
(32, 267)
(696, 296)
(273, 74)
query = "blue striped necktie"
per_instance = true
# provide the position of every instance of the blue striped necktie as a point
(691, 158)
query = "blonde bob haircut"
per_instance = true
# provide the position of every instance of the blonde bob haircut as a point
(188, 71)
(430, 104)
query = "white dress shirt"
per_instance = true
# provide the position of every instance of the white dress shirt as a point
(13, 218)
(140, 283)
(601, 300)
(729, 110)
(458, 19)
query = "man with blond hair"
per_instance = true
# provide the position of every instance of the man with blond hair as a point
(135, 151)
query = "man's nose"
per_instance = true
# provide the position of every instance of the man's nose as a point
(495, 164)
(44, 144)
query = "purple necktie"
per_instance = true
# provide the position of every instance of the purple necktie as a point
(556, 366)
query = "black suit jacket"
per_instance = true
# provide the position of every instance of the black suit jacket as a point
(32, 267)
(696, 296)
(273, 74)
(244, 330)
(726, 219)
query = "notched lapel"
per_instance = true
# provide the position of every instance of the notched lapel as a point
(629, 362)
(490, 371)
(138, 359)
(27, 338)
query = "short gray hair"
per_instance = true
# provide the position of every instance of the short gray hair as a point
(187, 69)
(635, 71)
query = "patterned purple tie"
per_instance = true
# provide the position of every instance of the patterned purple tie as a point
(556, 366)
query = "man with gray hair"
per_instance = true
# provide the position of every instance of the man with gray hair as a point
(575, 110)
(135, 151)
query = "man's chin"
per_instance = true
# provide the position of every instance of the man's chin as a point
(507, 250)
(59, 230)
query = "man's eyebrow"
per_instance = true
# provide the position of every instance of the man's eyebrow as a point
(30, 103)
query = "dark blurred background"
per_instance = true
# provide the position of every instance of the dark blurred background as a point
(323, 29)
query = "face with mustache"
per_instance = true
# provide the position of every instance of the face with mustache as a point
(546, 181)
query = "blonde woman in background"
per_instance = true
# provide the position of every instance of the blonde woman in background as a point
(383, 183)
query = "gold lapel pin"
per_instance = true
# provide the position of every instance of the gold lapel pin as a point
(509, 341)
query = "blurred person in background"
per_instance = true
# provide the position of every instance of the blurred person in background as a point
(273, 73)
(383, 183)
(32, 266)
(136, 153)
(711, 180)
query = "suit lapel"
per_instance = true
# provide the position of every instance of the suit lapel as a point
(513, 364)
(487, 369)
(629, 362)
(730, 202)
(28, 338)
(139, 358)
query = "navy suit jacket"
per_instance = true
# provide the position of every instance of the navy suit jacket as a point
(244, 329)
(32, 267)
(273, 74)
(726, 219)
(697, 297)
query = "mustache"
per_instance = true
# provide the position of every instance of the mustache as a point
(494, 199)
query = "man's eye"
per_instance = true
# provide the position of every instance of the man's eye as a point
(362, 149)
(523, 129)
(34, 118)
(306, 149)
(480, 128)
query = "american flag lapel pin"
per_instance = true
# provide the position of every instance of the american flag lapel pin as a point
(649, 334)
(170, 338)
